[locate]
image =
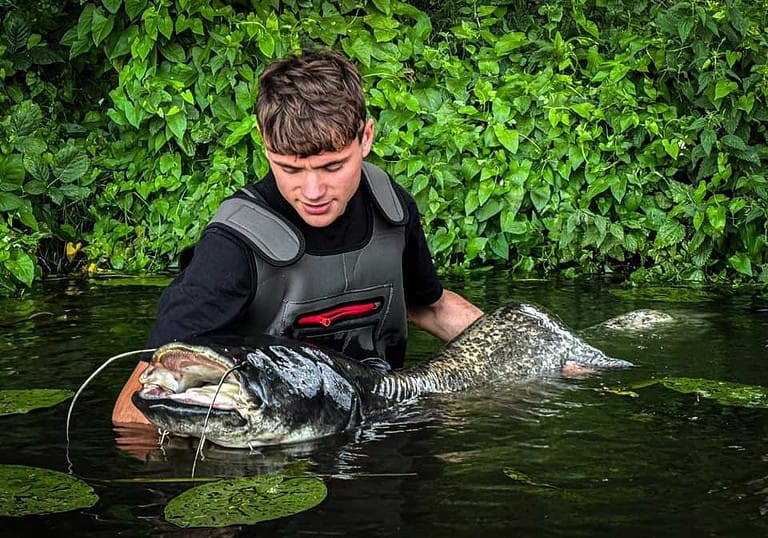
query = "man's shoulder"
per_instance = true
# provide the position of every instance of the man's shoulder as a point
(390, 198)
(248, 215)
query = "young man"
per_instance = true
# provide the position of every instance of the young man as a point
(326, 248)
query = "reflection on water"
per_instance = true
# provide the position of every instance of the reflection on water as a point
(582, 456)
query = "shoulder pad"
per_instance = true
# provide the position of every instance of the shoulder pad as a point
(383, 194)
(277, 241)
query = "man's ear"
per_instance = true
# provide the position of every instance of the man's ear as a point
(367, 140)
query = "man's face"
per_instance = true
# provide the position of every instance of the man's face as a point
(319, 187)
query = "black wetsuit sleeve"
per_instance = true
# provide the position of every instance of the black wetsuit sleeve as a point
(211, 293)
(422, 284)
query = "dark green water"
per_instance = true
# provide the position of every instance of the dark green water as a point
(598, 463)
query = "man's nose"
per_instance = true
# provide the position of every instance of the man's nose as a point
(314, 185)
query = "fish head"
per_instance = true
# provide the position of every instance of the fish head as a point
(247, 396)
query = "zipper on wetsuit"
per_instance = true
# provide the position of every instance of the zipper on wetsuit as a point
(326, 319)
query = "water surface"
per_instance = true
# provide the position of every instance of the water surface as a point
(584, 459)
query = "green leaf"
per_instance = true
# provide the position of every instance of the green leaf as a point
(734, 142)
(243, 128)
(142, 46)
(708, 139)
(509, 42)
(113, 6)
(16, 31)
(37, 167)
(165, 26)
(716, 215)
(540, 197)
(134, 8)
(28, 491)
(22, 266)
(724, 87)
(173, 52)
(599, 185)
(267, 45)
(488, 210)
(723, 392)
(10, 202)
(499, 246)
(671, 147)
(684, 28)
(26, 118)
(746, 102)
(583, 109)
(12, 169)
(244, 501)
(471, 202)
(741, 263)
(587, 25)
(384, 6)
(101, 26)
(177, 123)
(619, 188)
(19, 401)
(670, 233)
(509, 138)
(70, 164)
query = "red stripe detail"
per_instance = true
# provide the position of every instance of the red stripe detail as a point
(326, 319)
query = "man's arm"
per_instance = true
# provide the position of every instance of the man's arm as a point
(447, 317)
(124, 411)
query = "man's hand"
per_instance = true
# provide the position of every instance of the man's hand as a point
(125, 412)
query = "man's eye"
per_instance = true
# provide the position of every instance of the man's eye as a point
(332, 167)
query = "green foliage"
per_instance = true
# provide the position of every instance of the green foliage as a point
(45, 146)
(575, 136)
(613, 137)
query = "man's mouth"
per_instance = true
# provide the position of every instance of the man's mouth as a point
(316, 209)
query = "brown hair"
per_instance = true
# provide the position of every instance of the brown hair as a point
(310, 103)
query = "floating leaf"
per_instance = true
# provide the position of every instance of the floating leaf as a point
(517, 476)
(244, 501)
(723, 392)
(30, 490)
(15, 401)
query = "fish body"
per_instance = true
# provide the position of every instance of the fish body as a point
(283, 391)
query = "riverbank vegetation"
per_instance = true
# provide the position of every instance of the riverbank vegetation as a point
(552, 137)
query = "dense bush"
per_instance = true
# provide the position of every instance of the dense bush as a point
(582, 136)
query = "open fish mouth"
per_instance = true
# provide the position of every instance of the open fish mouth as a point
(192, 378)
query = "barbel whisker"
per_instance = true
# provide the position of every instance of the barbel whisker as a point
(198, 452)
(89, 379)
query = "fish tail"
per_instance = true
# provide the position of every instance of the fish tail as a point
(601, 360)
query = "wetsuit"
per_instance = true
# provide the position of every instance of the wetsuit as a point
(222, 285)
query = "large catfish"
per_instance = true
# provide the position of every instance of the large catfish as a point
(283, 391)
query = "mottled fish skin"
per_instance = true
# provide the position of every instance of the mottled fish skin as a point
(290, 391)
(516, 341)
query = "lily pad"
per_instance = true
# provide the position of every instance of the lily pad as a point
(27, 491)
(16, 401)
(244, 501)
(723, 392)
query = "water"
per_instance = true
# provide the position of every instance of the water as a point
(584, 460)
